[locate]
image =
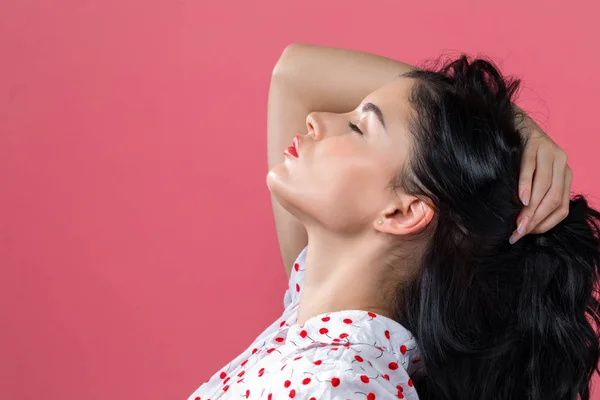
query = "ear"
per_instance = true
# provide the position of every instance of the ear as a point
(410, 216)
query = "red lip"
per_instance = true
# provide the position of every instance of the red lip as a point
(293, 150)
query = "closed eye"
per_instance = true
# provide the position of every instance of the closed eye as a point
(355, 128)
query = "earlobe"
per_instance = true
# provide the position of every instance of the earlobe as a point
(413, 219)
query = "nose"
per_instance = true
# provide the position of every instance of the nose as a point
(311, 124)
(322, 124)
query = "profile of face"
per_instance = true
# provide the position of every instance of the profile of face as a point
(340, 179)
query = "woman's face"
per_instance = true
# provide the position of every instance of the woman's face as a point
(340, 177)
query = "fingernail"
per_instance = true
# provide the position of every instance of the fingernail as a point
(525, 197)
(523, 225)
(512, 239)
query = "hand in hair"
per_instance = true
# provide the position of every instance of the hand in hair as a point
(544, 181)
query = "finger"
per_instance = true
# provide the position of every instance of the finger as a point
(526, 175)
(553, 198)
(542, 179)
(551, 201)
(561, 213)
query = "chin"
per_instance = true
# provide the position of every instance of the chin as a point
(274, 178)
(278, 185)
(277, 182)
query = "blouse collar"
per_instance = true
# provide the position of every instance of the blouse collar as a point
(358, 326)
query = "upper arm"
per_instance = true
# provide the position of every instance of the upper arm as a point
(286, 117)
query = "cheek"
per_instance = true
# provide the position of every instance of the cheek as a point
(347, 168)
(346, 186)
(355, 179)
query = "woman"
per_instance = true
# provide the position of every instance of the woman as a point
(411, 281)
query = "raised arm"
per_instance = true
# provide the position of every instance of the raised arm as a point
(310, 78)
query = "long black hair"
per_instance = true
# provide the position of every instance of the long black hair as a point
(493, 320)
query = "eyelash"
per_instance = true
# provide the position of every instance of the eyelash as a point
(355, 128)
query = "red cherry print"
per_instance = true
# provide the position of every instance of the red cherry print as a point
(241, 374)
(393, 366)
(247, 393)
(400, 388)
(335, 382)
(270, 350)
(372, 315)
(244, 363)
(410, 382)
(387, 334)
(347, 321)
(378, 348)
(297, 287)
(334, 349)
(323, 331)
(318, 362)
(198, 398)
(297, 358)
(358, 358)
(279, 339)
(223, 375)
(306, 381)
(364, 378)
(325, 319)
(292, 394)
(282, 324)
(347, 345)
(296, 266)
(225, 388)
(400, 395)
(386, 377)
(336, 340)
(312, 398)
(371, 396)
(261, 372)
(269, 396)
(303, 334)
(403, 349)
(343, 336)
(254, 350)
(287, 384)
(225, 381)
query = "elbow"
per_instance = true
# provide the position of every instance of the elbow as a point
(285, 61)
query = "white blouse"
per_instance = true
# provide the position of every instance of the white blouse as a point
(350, 354)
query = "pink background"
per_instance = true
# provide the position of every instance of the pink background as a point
(137, 244)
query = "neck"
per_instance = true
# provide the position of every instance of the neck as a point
(344, 274)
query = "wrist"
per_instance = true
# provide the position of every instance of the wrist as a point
(523, 122)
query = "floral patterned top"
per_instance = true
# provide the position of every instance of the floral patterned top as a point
(350, 354)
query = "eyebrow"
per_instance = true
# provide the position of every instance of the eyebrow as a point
(372, 107)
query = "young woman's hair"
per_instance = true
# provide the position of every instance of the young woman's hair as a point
(493, 320)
